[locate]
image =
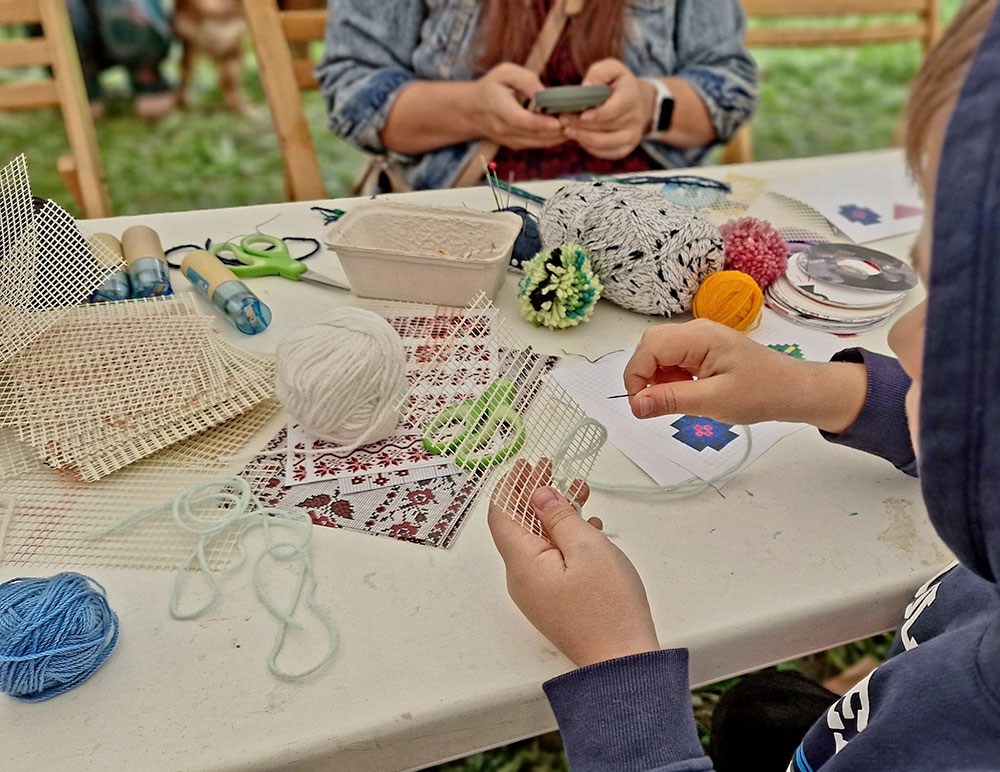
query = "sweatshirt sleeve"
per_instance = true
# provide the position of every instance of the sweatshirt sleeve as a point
(631, 714)
(881, 428)
(712, 57)
(366, 62)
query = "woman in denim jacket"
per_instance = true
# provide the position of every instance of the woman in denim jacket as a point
(427, 80)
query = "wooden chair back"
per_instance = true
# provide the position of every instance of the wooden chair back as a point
(922, 23)
(281, 40)
(82, 171)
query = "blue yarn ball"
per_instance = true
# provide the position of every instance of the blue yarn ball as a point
(529, 240)
(54, 634)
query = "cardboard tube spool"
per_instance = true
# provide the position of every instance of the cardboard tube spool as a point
(206, 271)
(107, 251)
(141, 241)
(113, 245)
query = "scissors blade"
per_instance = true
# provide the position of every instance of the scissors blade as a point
(318, 278)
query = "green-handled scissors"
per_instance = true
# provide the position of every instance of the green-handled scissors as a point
(480, 421)
(264, 255)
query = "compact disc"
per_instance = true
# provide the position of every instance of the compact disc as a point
(859, 267)
(840, 295)
(789, 297)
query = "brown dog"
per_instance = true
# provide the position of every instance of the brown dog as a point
(212, 28)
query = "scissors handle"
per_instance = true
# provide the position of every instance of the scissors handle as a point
(258, 261)
(481, 420)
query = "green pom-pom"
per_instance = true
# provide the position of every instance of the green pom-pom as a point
(559, 288)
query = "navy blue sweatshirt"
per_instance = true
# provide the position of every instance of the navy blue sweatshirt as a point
(935, 703)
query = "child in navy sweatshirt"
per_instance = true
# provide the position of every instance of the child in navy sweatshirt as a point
(935, 702)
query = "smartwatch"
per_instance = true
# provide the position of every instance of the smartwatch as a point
(663, 111)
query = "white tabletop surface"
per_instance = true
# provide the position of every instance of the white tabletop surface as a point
(435, 660)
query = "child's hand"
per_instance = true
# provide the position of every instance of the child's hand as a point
(580, 590)
(738, 380)
(497, 108)
(613, 129)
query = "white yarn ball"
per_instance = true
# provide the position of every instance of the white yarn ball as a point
(340, 379)
(649, 253)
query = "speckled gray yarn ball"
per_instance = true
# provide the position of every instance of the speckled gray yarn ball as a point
(650, 254)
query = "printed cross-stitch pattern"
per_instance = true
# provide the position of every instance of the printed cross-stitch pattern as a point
(424, 512)
(700, 433)
(474, 360)
(792, 350)
(862, 215)
(470, 369)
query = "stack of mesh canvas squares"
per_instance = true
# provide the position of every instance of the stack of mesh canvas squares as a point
(87, 390)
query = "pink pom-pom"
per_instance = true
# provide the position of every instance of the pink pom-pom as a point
(754, 247)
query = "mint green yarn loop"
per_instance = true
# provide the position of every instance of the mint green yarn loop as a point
(238, 506)
(562, 459)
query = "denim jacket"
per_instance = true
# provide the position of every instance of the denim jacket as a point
(374, 48)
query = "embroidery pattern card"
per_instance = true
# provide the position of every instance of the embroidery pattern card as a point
(866, 204)
(672, 448)
(468, 371)
(427, 512)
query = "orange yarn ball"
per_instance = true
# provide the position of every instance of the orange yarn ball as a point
(731, 298)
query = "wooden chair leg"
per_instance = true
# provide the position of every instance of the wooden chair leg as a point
(70, 176)
(740, 147)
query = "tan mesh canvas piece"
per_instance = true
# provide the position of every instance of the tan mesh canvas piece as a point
(52, 515)
(114, 382)
(794, 219)
(456, 370)
(46, 264)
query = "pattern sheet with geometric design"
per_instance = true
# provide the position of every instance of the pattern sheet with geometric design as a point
(673, 448)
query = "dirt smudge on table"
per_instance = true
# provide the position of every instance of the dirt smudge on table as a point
(902, 531)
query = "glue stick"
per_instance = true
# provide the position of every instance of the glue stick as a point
(148, 270)
(116, 286)
(222, 287)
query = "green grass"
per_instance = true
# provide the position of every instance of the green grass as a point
(813, 103)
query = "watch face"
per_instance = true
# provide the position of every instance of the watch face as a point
(666, 115)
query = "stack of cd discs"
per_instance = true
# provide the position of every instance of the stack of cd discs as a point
(841, 288)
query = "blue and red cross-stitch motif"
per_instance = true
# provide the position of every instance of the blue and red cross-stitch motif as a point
(700, 433)
(860, 214)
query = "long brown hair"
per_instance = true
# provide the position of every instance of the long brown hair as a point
(940, 79)
(509, 27)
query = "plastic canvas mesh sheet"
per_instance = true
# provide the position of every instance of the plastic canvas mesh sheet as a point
(52, 515)
(749, 197)
(46, 264)
(500, 400)
(114, 382)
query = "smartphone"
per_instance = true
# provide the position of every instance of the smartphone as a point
(569, 99)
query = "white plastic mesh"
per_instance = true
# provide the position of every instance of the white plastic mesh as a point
(469, 350)
(108, 408)
(52, 514)
(114, 382)
(46, 264)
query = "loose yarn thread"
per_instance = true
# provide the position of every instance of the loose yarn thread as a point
(54, 634)
(563, 460)
(341, 378)
(731, 298)
(235, 504)
(650, 254)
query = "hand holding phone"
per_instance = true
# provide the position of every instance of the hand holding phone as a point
(559, 100)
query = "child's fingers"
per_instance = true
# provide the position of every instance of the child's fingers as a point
(579, 492)
(560, 520)
(515, 543)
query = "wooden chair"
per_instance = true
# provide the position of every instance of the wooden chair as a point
(923, 23)
(81, 171)
(280, 40)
